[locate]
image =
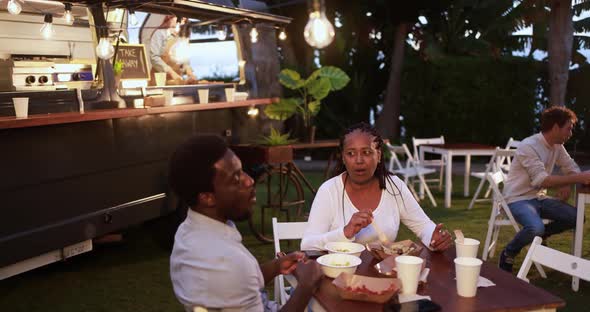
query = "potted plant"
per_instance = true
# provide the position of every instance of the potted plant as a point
(312, 91)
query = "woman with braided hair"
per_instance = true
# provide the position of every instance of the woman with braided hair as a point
(362, 193)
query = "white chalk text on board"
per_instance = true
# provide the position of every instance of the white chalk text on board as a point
(134, 61)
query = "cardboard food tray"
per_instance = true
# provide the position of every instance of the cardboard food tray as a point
(379, 290)
(377, 250)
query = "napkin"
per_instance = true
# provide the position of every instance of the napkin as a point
(407, 298)
(424, 275)
(484, 282)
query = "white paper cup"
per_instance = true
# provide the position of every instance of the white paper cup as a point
(408, 271)
(467, 273)
(229, 94)
(21, 106)
(168, 96)
(160, 79)
(203, 96)
(468, 248)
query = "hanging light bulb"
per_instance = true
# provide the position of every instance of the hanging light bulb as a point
(104, 49)
(319, 32)
(47, 28)
(253, 111)
(132, 18)
(221, 32)
(68, 17)
(254, 34)
(180, 50)
(14, 7)
(283, 35)
(178, 21)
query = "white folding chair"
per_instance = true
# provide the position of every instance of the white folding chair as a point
(285, 231)
(555, 259)
(438, 163)
(410, 171)
(500, 216)
(497, 162)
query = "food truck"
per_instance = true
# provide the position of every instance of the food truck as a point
(89, 154)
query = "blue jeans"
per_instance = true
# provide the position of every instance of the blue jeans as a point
(529, 213)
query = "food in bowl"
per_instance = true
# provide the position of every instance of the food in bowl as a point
(335, 263)
(345, 248)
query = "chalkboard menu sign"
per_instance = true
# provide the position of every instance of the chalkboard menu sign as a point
(134, 61)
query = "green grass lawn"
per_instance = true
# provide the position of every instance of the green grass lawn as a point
(133, 276)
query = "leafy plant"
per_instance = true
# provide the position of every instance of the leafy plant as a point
(275, 138)
(118, 67)
(312, 90)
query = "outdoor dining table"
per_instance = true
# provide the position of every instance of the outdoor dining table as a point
(583, 198)
(509, 294)
(456, 149)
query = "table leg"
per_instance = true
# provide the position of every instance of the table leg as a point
(581, 204)
(467, 175)
(449, 179)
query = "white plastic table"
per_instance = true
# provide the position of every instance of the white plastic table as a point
(456, 149)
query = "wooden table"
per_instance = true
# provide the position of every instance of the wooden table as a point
(583, 198)
(509, 294)
(456, 149)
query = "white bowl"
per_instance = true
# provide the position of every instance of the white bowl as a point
(347, 248)
(334, 264)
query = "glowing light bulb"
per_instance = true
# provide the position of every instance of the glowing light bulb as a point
(242, 63)
(253, 111)
(104, 49)
(221, 33)
(283, 35)
(319, 32)
(68, 17)
(132, 18)
(180, 51)
(254, 35)
(47, 28)
(14, 7)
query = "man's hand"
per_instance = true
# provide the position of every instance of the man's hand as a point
(441, 239)
(308, 274)
(359, 221)
(288, 263)
(563, 193)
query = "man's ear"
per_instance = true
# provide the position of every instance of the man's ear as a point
(207, 199)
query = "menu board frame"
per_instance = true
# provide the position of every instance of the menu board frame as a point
(142, 60)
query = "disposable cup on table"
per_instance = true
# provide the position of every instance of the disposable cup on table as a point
(468, 248)
(229, 94)
(168, 97)
(160, 79)
(203, 96)
(408, 271)
(21, 106)
(467, 273)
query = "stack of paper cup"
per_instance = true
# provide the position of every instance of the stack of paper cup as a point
(408, 271)
(204, 96)
(21, 106)
(160, 79)
(467, 248)
(168, 97)
(229, 94)
(467, 273)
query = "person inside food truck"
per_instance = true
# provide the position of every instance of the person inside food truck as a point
(161, 42)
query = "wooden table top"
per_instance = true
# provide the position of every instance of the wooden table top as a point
(463, 146)
(509, 294)
(583, 188)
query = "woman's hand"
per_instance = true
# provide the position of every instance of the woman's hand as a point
(359, 221)
(441, 239)
(288, 263)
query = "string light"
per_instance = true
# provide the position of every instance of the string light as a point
(253, 111)
(68, 17)
(104, 49)
(221, 32)
(254, 34)
(14, 7)
(283, 35)
(178, 20)
(47, 28)
(132, 18)
(318, 32)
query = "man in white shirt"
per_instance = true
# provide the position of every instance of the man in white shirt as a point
(209, 265)
(531, 173)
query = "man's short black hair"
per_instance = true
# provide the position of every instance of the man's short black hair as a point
(191, 168)
(556, 115)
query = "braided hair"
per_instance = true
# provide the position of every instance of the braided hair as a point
(381, 173)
